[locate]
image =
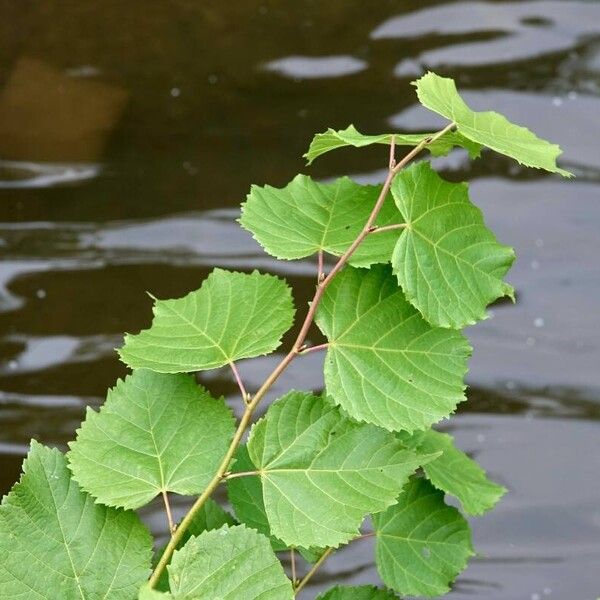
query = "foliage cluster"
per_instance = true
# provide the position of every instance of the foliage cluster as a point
(414, 263)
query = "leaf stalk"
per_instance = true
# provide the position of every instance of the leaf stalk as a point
(313, 570)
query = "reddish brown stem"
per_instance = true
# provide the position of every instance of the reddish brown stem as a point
(240, 383)
(314, 348)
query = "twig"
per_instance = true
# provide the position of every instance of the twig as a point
(293, 564)
(392, 162)
(313, 570)
(236, 374)
(297, 348)
(165, 498)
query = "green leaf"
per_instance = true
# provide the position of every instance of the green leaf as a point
(306, 216)
(455, 473)
(361, 592)
(230, 563)
(422, 544)
(56, 543)
(155, 433)
(210, 516)
(332, 139)
(489, 129)
(447, 261)
(232, 316)
(322, 473)
(385, 364)
(147, 593)
(246, 497)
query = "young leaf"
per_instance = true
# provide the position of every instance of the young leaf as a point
(322, 473)
(155, 433)
(228, 563)
(232, 316)
(385, 364)
(455, 473)
(306, 216)
(422, 544)
(489, 129)
(447, 261)
(361, 592)
(331, 139)
(56, 543)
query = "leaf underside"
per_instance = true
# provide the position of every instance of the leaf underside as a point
(155, 433)
(456, 473)
(386, 365)
(229, 563)
(306, 216)
(489, 128)
(332, 139)
(322, 473)
(55, 542)
(447, 261)
(422, 544)
(232, 316)
(359, 592)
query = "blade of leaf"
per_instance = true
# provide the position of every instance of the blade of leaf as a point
(332, 139)
(322, 473)
(147, 593)
(456, 473)
(386, 365)
(305, 217)
(232, 316)
(228, 563)
(360, 592)
(55, 542)
(489, 128)
(447, 261)
(155, 433)
(422, 544)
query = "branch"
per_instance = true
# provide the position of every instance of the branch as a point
(313, 570)
(297, 348)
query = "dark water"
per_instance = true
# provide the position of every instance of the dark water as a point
(131, 131)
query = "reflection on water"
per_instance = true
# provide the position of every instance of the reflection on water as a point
(21, 174)
(516, 30)
(124, 154)
(308, 67)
